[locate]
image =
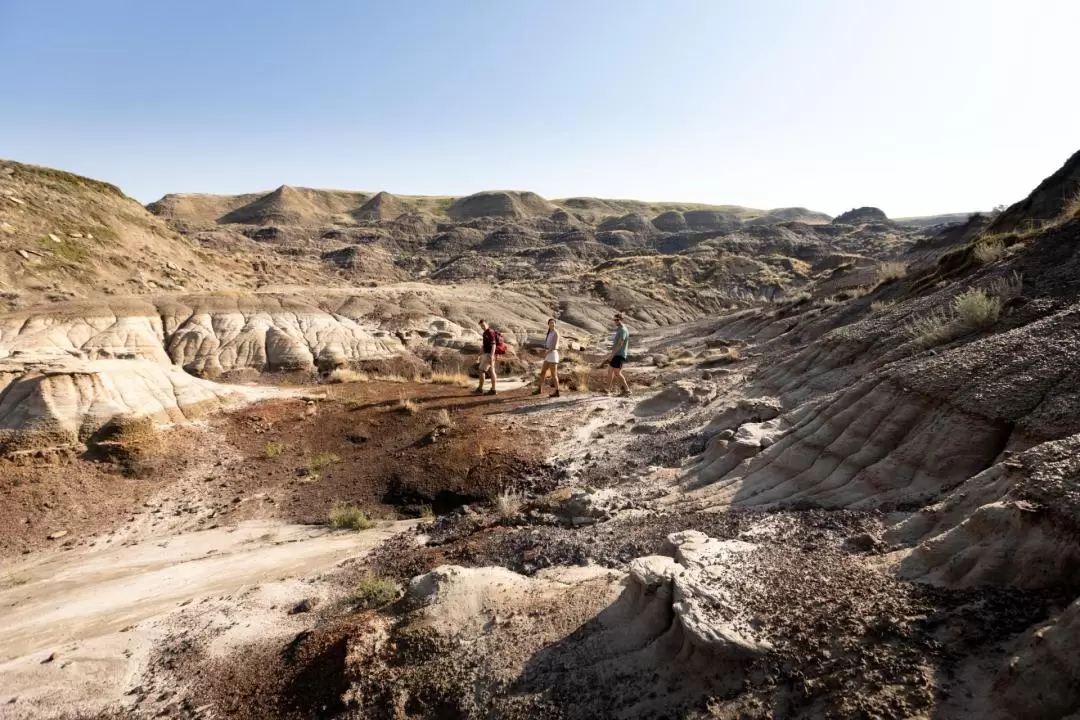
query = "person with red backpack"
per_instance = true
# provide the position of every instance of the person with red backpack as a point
(493, 345)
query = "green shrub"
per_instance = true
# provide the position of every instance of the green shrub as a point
(349, 517)
(374, 592)
(322, 460)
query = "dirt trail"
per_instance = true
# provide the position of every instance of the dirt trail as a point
(94, 612)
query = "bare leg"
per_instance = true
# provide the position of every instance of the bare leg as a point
(493, 376)
(622, 379)
(610, 377)
(555, 375)
(540, 382)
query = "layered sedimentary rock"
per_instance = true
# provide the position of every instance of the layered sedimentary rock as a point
(59, 402)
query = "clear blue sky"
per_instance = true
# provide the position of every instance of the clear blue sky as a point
(917, 106)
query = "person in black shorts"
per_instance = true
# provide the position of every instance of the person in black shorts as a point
(620, 347)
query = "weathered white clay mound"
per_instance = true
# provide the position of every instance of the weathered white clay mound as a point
(60, 402)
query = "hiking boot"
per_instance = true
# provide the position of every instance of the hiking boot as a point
(554, 394)
(491, 392)
(536, 391)
(478, 391)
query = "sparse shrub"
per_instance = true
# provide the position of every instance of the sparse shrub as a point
(349, 517)
(1007, 286)
(272, 450)
(426, 512)
(507, 504)
(797, 299)
(989, 250)
(931, 329)
(977, 308)
(443, 419)
(322, 460)
(890, 271)
(881, 305)
(345, 375)
(374, 592)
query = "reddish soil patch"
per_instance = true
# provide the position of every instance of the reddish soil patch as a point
(292, 459)
(79, 499)
(360, 446)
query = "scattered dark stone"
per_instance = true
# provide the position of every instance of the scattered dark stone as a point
(305, 605)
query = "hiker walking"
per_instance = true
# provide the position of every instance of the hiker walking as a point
(551, 360)
(620, 346)
(486, 361)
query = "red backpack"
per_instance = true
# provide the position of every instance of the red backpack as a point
(500, 344)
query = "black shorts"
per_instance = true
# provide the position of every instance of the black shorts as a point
(617, 361)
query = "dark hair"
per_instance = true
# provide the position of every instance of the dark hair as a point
(483, 321)
(551, 319)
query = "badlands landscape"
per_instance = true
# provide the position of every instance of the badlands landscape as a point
(245, 476)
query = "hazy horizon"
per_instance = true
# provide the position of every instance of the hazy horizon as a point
(920, 108)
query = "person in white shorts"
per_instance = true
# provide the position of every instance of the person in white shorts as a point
(551, 360)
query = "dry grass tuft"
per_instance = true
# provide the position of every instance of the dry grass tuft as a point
(1008, 286)
(881, 305)
(344, 375)
(931, 329)
(1072, 206)
(977, 309)
(321, 461)
(349, 517)
(407, 405)
(988, 250)
(890, 271)
(392, 378)
(581, 378)
(443, 419)
(508, 504)
(272, 450)
(459, 379)
(374, 592)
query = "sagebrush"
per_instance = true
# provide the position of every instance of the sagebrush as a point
(977, 308)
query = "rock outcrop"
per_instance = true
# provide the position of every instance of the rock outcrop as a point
(860, 216)
(1054, 196)
(51, 404)
(500, 204)
(384, 206)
